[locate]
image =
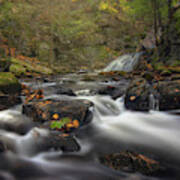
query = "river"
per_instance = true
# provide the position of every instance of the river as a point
(112, 129)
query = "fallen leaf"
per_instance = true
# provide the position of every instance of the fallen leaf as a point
(132, 98)
(55, 116)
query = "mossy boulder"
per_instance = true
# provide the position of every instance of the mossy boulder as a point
(30, 66)
(17, 69)
(48, 112)
(9, 84)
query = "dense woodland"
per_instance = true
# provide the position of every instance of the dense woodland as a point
(81, 34)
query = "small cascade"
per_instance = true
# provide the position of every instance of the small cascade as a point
(153, 103)
(125, 63)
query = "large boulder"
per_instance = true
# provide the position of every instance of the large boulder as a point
(59, 111)
(9, 84)
(115, 91)
(132, 162)
(10, 89)
(137, 96)
(169, 95)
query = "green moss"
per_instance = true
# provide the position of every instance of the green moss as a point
(17, 69)
(9, 83)
(32, 67)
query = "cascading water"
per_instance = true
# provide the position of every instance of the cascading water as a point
(124, 63)
(112, 129)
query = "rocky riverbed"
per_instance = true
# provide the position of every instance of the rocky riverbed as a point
(93, 126)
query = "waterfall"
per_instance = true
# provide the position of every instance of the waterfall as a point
(125, 62)
(153, 103)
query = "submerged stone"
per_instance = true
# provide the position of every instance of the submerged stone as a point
(64, 143)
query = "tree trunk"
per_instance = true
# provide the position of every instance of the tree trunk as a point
(155, 20)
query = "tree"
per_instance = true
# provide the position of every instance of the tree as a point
(161, 15)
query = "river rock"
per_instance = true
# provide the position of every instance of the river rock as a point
(169, 95)
(43, 111)
(40, 140)
(113, 91)
(3, 147)
(65, 90)
(64, 143)
(9, 84)
(10, 90)
(132, 162)
(137, 95)
(7, 101)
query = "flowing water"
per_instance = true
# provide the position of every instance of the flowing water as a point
(124, 63)
(112, 129)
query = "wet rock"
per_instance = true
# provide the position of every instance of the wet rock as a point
(175, 77)
(7, 101)
(65, 90)
(169, 95)
(6, 176)
(132, 162)
(3, 147)
(40, 140)
(149, 76)
(13, 121)
(66, 143)
(113, 91)
(137, 95)
(46, 111)
(9, 83)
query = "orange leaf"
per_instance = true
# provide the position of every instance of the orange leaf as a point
(76, 123)
(132, 98)
(55, 116)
